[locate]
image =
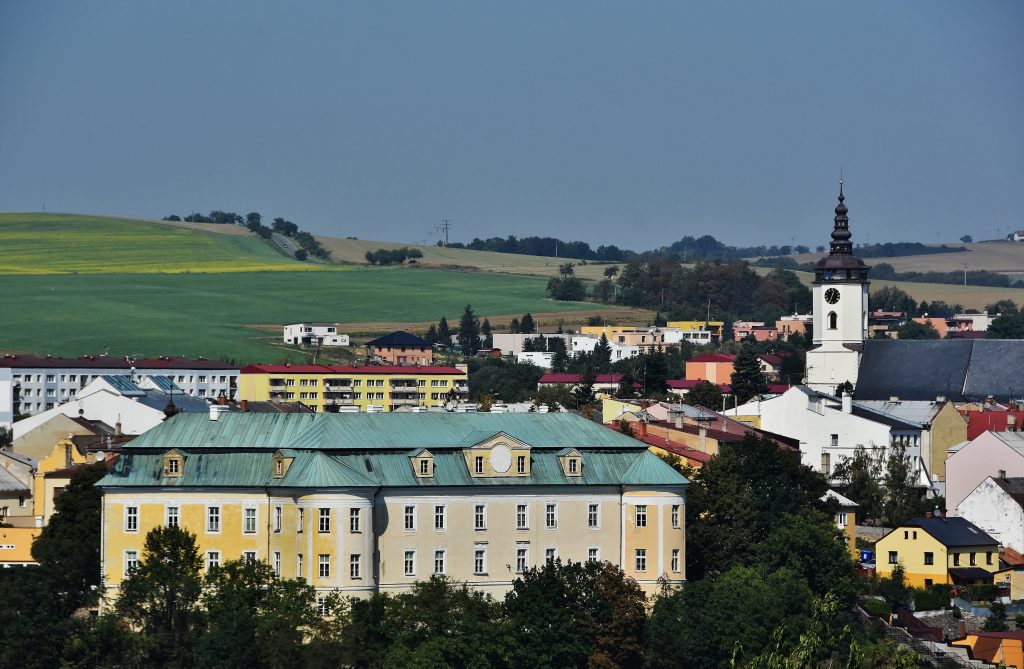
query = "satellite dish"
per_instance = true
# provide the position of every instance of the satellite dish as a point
(450, 406)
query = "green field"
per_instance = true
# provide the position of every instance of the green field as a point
(73, 244)
(214, 315)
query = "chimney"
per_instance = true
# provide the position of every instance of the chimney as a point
(940, 399)
(704, 438)
(117, 429)
(643, 428)
(847, 403)
(215, 411)
(1002, 474)
(244, 405)
(927, 514)
(894, 398)
(221, 400)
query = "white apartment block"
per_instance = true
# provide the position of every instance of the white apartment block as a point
(312, 334)
(33, 384)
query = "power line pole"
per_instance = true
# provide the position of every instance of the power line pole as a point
(445, 226)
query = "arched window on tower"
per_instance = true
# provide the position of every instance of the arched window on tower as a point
(832, 320)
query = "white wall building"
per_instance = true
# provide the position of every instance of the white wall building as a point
(995, 507)
(587, 343)
(312, 334)
(540, 358)
(512, 343)
(33, 384)
(677, 335)
(830, 428)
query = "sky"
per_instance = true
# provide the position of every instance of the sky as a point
(610, 122)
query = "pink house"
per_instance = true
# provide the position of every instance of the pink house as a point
(760, 331)
(995, 454)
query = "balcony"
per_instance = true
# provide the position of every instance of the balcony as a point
(404, 401)
(338, 385)
(403, 383)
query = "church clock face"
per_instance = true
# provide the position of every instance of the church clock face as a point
(831, 295)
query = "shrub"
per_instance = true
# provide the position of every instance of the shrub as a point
(877, 607)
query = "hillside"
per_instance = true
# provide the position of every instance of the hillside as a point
(35, 243)
(1001, 257)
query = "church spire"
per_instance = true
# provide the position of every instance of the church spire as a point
(841, 244)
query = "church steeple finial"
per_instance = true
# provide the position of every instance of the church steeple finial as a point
(841, 244)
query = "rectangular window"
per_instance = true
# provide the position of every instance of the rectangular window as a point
(353, 520)
(893, 557)
(213, 519)
(278, 513)
(439, 561)
(520, 464)
(173, 465)
(550, 516)
(549, 555)
(410, 563)
(131, 562)
(325, 521)
(834, 441)
(298, 566)
(410, 518)
(302, 520)
(131, 519)
(249, 556)
(172, 516)
(249, 518)
(988, 557)
(324, 566)
(675, 516)
(322, 606)
(480, 517)
(212, 560)
(440, 517)
(522, 558)
(593, 517)
(641, 559)
(592, 555)
(277, 564)
(973, 562)
(479, 560)
(826, 463)
(929, 558)
(354, 562)
(841, 519)
(641, 515)
(522, 517)
(675, 559)
(479, 464)
(572, 465)
(424, 467)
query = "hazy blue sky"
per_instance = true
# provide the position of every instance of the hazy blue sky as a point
(615, 122)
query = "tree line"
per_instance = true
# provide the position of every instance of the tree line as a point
(393, 256)
(253, 221)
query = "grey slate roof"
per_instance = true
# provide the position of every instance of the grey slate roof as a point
(10, 483)
(865, 411)
(952, 531)
(959, 369)
(397, 339)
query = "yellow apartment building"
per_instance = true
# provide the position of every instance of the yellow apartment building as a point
(938, 549)
(335, 388)
(363, 503)
(714, 327)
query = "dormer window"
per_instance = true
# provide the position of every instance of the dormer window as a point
(424, 467)
(423, 464)
(573, 465)
(174, 464)
(281, 463)
(572, 462)
(278, 468)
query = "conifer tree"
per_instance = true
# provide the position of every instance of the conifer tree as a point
(469, 332)
(747, 379)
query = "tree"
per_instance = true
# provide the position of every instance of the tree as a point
(901, 495)
(566, 269)
(575, 615)
(469, 332)
(659, 320)
(844, 388)
(527, 326)
(893, 299)
(915, 330)
(1000, 307)
(162, 596)
(569, 289)
(431, 335)
(301, 254)
(858, 477)
(603, 291)
(69, 545)
(583, 394)
(747, 378)
(705, 394)
(611, 271)
(560, 361)
(253, 219)
(255, 619)
(444, 333)
(487, 340)
(603, 355)
(514, 327)
(967, 239)
(1007, 326)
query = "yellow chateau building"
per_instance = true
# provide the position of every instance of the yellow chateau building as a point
(363, 503)
(335, 388)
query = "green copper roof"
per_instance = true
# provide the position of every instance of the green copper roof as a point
(371, 450)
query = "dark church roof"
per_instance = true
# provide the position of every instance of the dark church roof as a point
(840, 256)
(958, 369)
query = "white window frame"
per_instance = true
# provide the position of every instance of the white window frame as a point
(128, 568)
(277, 564)
(640, 560)
(550, 554)
(278, 518)
(323, 565)
(675, 516)
(212, 560)
(522, 516)
(674, 562)
(441, 554)
(593, 516)
(593, 554)
(640, 515)
(355, 566)
(131, 519)
(522, 558)
(479, 517)
(168, 516)
(250, 519)
(211, 526)
(551, 515)
(298, 565)
(479, 560)
(301, 520)
(409, 562)
(409, 517)
(250, 556)
(441, 516)
(520, 464)
(478, 465)
(323, 520)
(354, 520)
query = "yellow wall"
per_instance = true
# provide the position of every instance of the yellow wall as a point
(993, 650)
(948, 429)
(714, 327)
(63, 453)
(16, 544)
(911, 543)
(256, 387)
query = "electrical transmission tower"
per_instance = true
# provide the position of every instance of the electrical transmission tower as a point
(445, 226)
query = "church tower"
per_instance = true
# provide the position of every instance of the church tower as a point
(840, 291)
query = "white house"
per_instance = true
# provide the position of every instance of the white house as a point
(115, 400)
(677, 335)
(587, 344)
(990, 454)
(830, 428)
(515, 342)
(540, 358)
(313, 334)
(995, 507)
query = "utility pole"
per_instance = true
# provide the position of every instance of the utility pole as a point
(445, 227)
(965, 273)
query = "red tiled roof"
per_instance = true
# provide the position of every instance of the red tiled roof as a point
(341, 369)
(1010, 556)
(713, 357)
(676, 449)
(687, 384)
(771, 358)
(979, 422)
(563, 377)
(110, 362)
